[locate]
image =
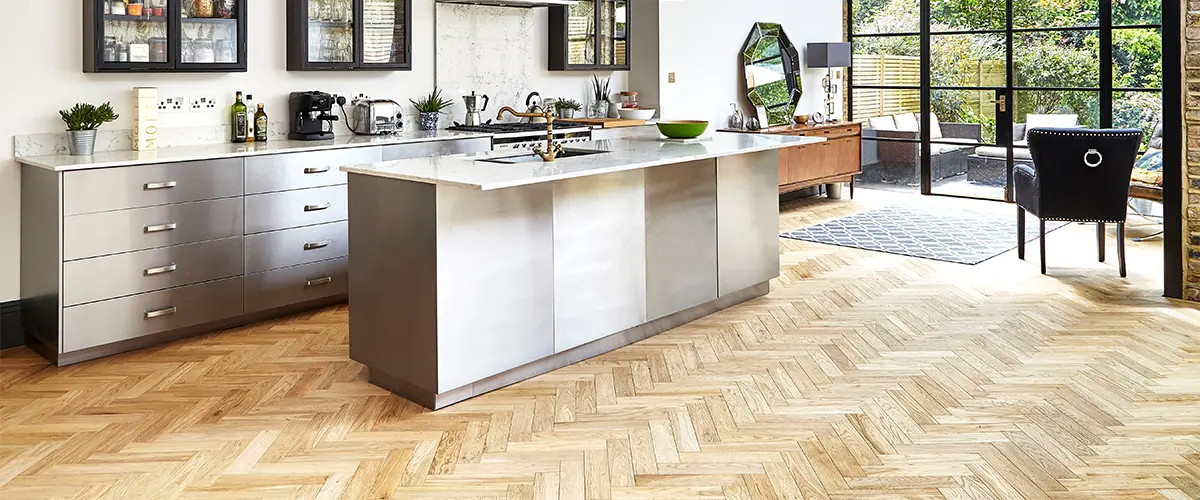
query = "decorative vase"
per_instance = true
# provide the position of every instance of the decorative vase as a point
(429, 121)
(566, 113)
(81, 142)
(598, 109)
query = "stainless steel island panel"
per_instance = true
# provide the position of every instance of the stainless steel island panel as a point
(495, 281)
(599, 257)
(747, 220)
(681, 237)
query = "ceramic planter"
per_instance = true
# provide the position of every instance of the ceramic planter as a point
(81, 142)
(429, 121)
(566, 114)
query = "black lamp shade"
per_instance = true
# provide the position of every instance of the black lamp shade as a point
(829, 55)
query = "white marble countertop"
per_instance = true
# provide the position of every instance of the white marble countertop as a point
(634, 151)
(228, 150)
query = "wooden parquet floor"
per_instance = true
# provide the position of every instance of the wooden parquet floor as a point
(862, 375)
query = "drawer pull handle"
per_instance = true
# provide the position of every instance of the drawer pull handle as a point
(166, 311)
(316, 208)
(316, 170)
(160, 270)
(319, 281)
(316, 244)
(158, 228)
(150, 186)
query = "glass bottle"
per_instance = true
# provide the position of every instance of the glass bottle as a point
(238, 117)
(260, 124)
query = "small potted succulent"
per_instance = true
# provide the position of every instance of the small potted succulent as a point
(599, 108)
(82, 122)
(567, 108)
(431, 108)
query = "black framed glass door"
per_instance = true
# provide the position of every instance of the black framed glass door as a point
(947, 89)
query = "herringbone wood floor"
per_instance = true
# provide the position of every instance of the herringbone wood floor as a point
(861, 375)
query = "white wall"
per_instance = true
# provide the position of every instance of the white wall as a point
(701, 41)
(40, 48)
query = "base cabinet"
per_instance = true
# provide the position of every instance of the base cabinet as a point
(174, 249)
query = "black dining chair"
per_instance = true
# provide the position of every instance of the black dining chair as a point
(1078, 175)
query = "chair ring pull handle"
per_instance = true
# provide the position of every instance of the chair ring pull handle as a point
(1099, 158)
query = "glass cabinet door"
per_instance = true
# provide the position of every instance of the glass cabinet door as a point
(581, 32)
(614, 32)
(211, 32)
(385, 33)
(133, 33)
(331, 31)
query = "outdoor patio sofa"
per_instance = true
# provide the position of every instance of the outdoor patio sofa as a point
(900, 162)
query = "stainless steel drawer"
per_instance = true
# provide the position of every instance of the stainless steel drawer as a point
(102, 278)
(104, 233)
(305, 207)
(265, 174)
(100, 323)
(292, 285)
(291, 247)
(436, 148)
(87, 191)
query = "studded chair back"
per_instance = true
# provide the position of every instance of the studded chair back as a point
(1080, 175)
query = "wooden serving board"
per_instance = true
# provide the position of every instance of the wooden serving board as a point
(609, 122)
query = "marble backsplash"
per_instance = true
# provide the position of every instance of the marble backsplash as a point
(122, 140)
(491, 50)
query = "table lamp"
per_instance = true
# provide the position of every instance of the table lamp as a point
(829, 55)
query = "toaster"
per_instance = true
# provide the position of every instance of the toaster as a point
(376, 117)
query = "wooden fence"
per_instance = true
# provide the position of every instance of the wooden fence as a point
(871, 69)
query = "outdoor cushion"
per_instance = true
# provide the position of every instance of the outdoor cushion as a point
(906, 122)
(1049, 121)
(1148, 169)
(882, 123)
(1156, 138)
(959, 140)
(935, 127)
(1000, 153)
(938, 149)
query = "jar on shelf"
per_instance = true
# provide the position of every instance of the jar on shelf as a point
(117, 7)
(134, 8)
(110, 49)
(202, 8)
(224, 51)
(158, 49)
(223, 8)
(202, 52)
(629, 100)
(122, 52)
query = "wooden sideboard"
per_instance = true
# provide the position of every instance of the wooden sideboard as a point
(838, 159)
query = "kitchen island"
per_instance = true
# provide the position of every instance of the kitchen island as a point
(472, 272)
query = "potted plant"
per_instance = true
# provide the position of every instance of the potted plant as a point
(82, 122)
(431, 108)
(600, 106)
(566, 108)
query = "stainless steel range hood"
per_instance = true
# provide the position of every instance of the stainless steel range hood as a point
(525, 4)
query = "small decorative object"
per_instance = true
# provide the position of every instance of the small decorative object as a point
(82, 122)
(107, 7)
(202, 8)
(430, 109)
(566, 108)
(145, 118)
(600, 106)
(736, 120)
(816, 118)
(223, 8)
(752, 124)
(117, 7)
(772, 70)
(683, 129)
(802, 119)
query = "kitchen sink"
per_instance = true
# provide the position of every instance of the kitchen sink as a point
(532, 158)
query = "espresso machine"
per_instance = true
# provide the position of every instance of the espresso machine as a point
(474, 118)
(311, 119)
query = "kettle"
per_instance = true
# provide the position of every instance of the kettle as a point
(474, 116)
(535, 107)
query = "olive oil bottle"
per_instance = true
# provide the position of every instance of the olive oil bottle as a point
(240, 120)
(260, 124)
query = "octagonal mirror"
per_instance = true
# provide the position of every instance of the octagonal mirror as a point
(772, 68)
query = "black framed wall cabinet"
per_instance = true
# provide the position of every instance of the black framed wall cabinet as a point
(343, 35)
(164, 36)
(590, 35)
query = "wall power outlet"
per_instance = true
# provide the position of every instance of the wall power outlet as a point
(177, 104)
(204, 103)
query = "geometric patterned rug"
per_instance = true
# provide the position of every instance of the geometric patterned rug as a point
(963, 236)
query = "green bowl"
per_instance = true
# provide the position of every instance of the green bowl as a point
(683, 129)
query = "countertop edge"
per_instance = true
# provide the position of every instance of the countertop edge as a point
(366, 169)
(39, 162)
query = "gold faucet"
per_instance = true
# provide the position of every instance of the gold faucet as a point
(553, 149)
